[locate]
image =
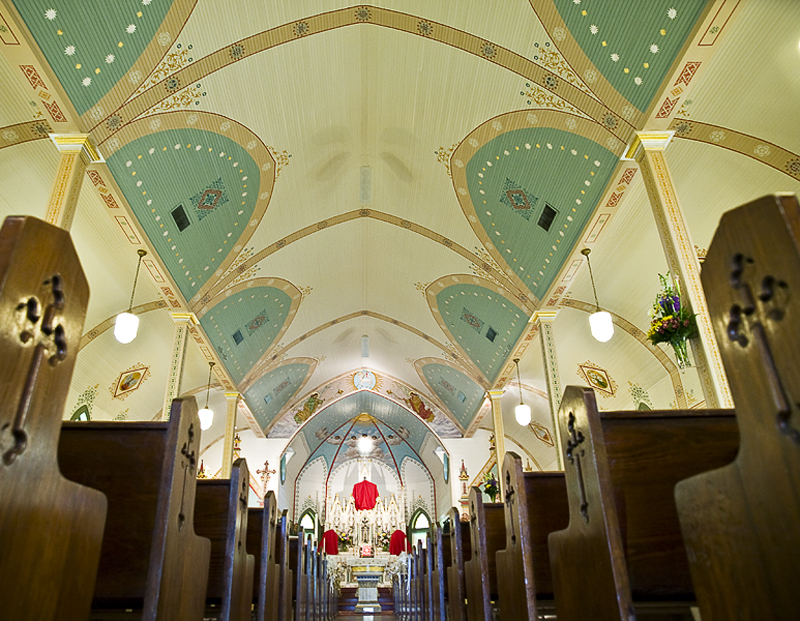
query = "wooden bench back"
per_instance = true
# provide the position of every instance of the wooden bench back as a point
(152, 559)
(221, 516)
(623, 543)
(439, 542)
(285, 577)
(460, 552)
(536, 505)
(262, 526)
(488, 535)
(50, 528)
(741, 523)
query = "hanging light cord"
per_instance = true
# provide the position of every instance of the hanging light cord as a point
(585, 252)
(208, 385)
(519, 382)
(136, 277)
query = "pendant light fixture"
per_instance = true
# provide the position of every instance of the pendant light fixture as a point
(206, 415)
(522, 412)
(126, 326)
(600, 321)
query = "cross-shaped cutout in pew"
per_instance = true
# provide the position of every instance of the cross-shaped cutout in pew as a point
(187, 465)
(749, 318)
(510, 505)
(574, 457)
(49, 340)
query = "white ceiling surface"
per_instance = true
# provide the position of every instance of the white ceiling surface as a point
(373, 96)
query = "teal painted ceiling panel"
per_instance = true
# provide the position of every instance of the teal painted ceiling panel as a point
(534, 190)
(196, 212)
(243, 326)
(90, 47)
(326, 433)
(485, 324)
(634, 60)
(270, 394)
(462, 396)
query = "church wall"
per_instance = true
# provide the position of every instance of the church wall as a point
(419, 489)
(310, 490)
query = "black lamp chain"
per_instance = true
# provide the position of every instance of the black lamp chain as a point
(519, 382)
(591, 276)
(208, 385)
(136, 278)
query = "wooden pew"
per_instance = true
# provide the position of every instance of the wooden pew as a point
(741, 523)
(622, 553)
(221, 516)
(262, 529)
(440, 548)
(460, 552)
(152, 561)
(285, 575)
(536, 505)
(50, 529)
(488, 535)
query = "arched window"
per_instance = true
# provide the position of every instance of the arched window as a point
(420, 527)
(307, 521)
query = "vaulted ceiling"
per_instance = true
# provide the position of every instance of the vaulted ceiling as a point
(307, 173)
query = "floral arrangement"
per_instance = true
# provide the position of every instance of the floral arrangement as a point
(671, 321)
(490, 486)
(345, 539)
(383, 540)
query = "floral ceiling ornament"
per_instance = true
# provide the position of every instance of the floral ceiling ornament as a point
(598, 378)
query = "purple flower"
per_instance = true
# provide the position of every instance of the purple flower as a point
(676, 303)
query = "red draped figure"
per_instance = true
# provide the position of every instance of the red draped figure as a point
(365, 494)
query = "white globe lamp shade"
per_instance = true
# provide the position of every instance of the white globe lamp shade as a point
(364, 445)
(602, 326)
(523, 414)
(126, 327)
(206, 418)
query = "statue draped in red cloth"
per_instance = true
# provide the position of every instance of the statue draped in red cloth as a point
(365, 494)
(330, 542)
(398, 543)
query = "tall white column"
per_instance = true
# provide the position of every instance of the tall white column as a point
(544, 321)
(230, 433)
(648, 150)
(77, 152)
(173, 389)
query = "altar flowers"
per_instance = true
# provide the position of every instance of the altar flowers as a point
(672, 321)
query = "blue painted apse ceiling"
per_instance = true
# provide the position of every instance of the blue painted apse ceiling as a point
(461, 395)
(533, 191)
(483, 323)
(90, 47)
(398, 434)
(194, 216)
(271, 392)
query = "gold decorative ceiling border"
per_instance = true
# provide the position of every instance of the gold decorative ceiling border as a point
(198, 302)
(759, 150)
(263, 367)
(641, 337)
(20, 133)
(404, 22)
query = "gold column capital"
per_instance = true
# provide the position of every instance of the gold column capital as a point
(648, 141)
(189, 318)
(78, 144)
(495, 394)
(233, 396)
(539, 316)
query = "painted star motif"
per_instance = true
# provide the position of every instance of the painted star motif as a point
(110, 59)
(637, 80)
(615, 57)
(672, 13)
(50, 14)
(69, 50)
(576, 1)
(146, 2)
(593, 29)
(654, 49)
(86, 81)
(131, 29)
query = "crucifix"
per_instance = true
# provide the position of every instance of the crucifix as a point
(574, 455)
(265, 474)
